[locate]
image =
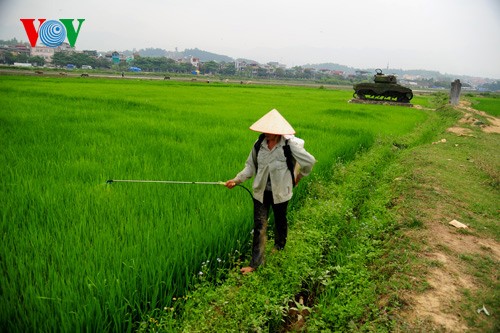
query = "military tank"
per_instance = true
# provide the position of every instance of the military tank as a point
(384, 88)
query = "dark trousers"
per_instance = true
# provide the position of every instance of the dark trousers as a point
(260, 217)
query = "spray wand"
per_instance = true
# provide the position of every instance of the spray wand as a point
(110, 181)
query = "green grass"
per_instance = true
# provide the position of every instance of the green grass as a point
(353, 252)
(487, 103)
(337, 258)
(78, 254)
(456, 179)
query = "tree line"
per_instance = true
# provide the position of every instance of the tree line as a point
(162, 65)
(168, 65)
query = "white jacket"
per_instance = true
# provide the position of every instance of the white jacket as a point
(272, 163)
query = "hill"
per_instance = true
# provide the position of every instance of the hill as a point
(204, 56)
(207, 56)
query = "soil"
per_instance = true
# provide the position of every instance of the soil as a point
(470, 117)
(448, 279)
(438, 307)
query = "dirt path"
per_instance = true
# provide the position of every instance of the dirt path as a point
(447, 279)
(470, 118)
(444, 305)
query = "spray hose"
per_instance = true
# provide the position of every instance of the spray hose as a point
(110, 181)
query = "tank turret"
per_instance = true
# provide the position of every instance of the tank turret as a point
(385, 87)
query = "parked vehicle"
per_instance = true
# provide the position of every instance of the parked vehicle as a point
(385, 87)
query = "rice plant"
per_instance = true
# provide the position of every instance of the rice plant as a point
(79, 254)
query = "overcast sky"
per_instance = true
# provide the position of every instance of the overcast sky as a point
(450, 36)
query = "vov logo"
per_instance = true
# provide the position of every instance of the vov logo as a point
(52, 33)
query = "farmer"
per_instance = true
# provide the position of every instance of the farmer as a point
(274, 179)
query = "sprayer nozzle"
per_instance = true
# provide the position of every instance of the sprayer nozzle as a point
(109, 181)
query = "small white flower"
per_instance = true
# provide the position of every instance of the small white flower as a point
(200, 273)
(219, 260)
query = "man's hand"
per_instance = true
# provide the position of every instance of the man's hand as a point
(230, 184)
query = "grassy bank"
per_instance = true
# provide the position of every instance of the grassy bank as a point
(453, 272)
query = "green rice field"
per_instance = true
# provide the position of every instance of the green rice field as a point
(488, 104)
(78, 254)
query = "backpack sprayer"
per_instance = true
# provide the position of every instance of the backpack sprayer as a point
(110, 181)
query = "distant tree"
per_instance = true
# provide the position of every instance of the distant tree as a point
(102, 63)
(22, 57)
(185, 67)
(12, 41)
(262, 72)
(92, 53)
(161, 64)
(60, 59)
(37, 60)
(308, 73)
(493, 86)
(79, 59)
(279, 72)
(210, 67)
(297, 71)
(442, 84)
(172, 66)
(228, 68)
(8, 58)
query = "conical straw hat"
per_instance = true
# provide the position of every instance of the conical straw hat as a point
(273, 123)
